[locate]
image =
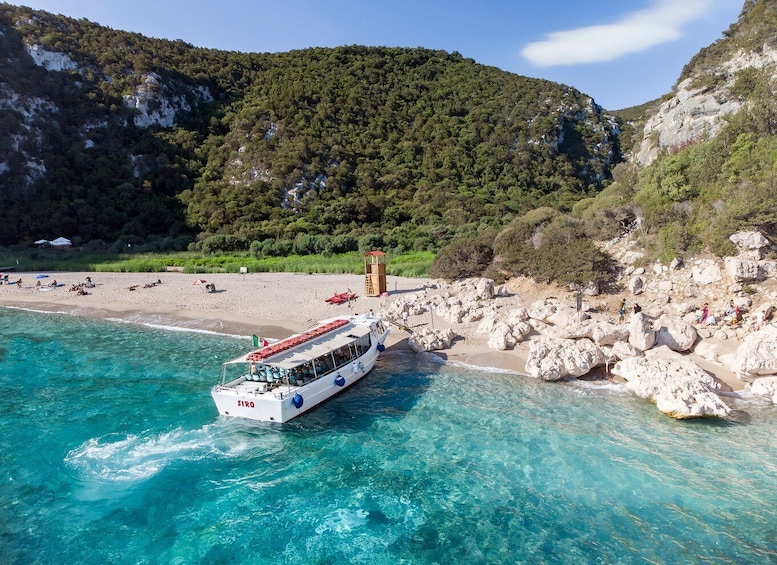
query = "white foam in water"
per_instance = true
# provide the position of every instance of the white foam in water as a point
(35, 311)
(169, 328)
(136, 457)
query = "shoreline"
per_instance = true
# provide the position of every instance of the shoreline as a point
(272, 305)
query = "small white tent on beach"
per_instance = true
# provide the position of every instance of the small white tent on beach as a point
(61, 242)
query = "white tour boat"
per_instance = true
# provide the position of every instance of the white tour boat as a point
(282, 380)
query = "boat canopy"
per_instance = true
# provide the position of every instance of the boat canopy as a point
(308, 350)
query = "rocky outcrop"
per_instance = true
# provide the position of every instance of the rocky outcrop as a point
(710, 349)
(505, 334)
(636, 285)
(600, 332)
(155, 103)
(551, 359)
(677, 386)
(50, 60)
(743, 270)
(622, 350)
(428, 339)
(750, 242)
(757, 355)
(706, 271)
(641, 332)
(698, 112)
(765, 387)
(676, 334)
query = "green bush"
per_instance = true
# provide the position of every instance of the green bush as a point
(222, 243)
(539, 216)
(370, 242)
(461, 259)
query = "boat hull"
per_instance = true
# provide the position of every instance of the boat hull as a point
(280, 404)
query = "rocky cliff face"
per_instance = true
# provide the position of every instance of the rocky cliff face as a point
(696, 113)
(707, 92)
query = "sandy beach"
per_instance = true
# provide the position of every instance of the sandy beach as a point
(267, 304)
(272, 305)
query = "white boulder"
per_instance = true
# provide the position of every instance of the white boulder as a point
(741, 270)
(636, 285)
(624, 350)
(706, 271)
(749, 240)
(485, 289)
(542, 310)
(679, 388)
(641, 332)
(551, 359)
(676, 334)
(765, 387)
(601, 332)
(501, 337)
(710, 349)
(428, 339)
(517, 315)
(757, 355)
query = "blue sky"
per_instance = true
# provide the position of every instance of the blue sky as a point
(620, 52)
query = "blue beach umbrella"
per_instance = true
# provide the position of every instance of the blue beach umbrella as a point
(41, 276)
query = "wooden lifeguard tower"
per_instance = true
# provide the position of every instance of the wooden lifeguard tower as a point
(374, 273)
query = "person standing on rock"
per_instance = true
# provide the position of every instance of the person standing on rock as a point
(760, 316)
(705, 311)
(622, 310)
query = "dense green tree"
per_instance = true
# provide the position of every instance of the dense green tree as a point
(354, 140)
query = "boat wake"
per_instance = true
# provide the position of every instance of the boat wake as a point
(133, 458)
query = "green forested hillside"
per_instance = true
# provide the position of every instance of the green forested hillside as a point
(688, 201)
(309, 150)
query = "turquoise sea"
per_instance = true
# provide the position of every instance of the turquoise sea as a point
(112, 451)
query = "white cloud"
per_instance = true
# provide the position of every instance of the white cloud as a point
(636, 32)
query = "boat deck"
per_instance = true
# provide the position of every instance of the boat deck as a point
(257, 388)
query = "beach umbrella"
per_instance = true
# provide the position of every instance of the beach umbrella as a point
(200, 281)
(41, 276)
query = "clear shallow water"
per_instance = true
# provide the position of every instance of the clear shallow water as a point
(111, 451)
